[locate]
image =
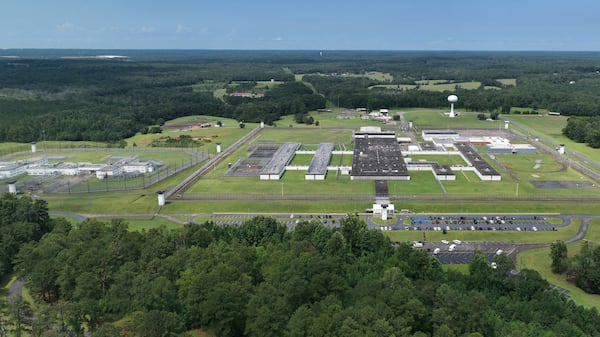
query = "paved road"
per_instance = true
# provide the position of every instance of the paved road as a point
(15, 289)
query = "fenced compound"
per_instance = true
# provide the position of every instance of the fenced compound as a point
(261, 154)
(129, 181)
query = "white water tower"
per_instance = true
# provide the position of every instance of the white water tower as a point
(33, 147)
(506, 124)
(452, 99)
(218, 147)
(561, 149)
(262, 125)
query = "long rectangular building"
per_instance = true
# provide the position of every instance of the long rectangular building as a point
(282, 157)
(318, 166)
(483, 169)
(377, 156)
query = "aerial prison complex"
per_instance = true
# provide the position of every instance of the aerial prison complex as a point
(381, 155)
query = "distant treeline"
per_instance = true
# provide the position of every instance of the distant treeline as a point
(108, 100)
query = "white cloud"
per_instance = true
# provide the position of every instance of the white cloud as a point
(279, 38)
(67, 27)
(181, 29)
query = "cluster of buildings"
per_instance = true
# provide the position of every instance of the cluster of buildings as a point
(42, 167)
(381, 155)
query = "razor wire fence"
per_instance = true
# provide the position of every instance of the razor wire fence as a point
(124, 182)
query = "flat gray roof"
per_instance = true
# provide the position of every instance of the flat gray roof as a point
(281, 158)
(319, 163)
(442, 170)
(377, 156)
(476, 160)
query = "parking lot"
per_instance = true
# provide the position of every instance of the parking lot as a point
(461, 253)
(480, 222)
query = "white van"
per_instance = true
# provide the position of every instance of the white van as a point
(451, 247)
(436, 251)
(458, 242)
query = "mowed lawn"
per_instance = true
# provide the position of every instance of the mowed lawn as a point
(551, 127)
(291, 183)
(435, 119)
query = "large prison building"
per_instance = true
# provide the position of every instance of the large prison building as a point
(377, 156)
(318, 166)
(483, 169)
(282, 157)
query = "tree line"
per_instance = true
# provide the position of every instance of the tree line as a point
(584, 130)
(58, 99)
(260, 279)
(583, 268)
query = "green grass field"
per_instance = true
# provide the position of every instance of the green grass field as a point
(435, 119)
(326, 120)
(508, 81)
(452, 160)
(226, 135)
(136, 224)
(433, 85)
(551, 127)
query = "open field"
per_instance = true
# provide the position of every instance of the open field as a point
(508, 81)
(226, 135)
(452, 160)
(347, 118)
(146, 223)
(433, 85)
(551, 127)
(435, 119)
(374, 75)
(292, 183)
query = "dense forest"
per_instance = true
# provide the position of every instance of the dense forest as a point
(54, 98)
(260, 279)
(584, 130)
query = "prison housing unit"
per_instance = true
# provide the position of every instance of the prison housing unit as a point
(282, 157)
(443, 172)
(482, 168)
(318, 166)
(440, 172)
(41, 167)
(377, 156)
(502, 148)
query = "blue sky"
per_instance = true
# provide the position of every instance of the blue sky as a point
(302, 24)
